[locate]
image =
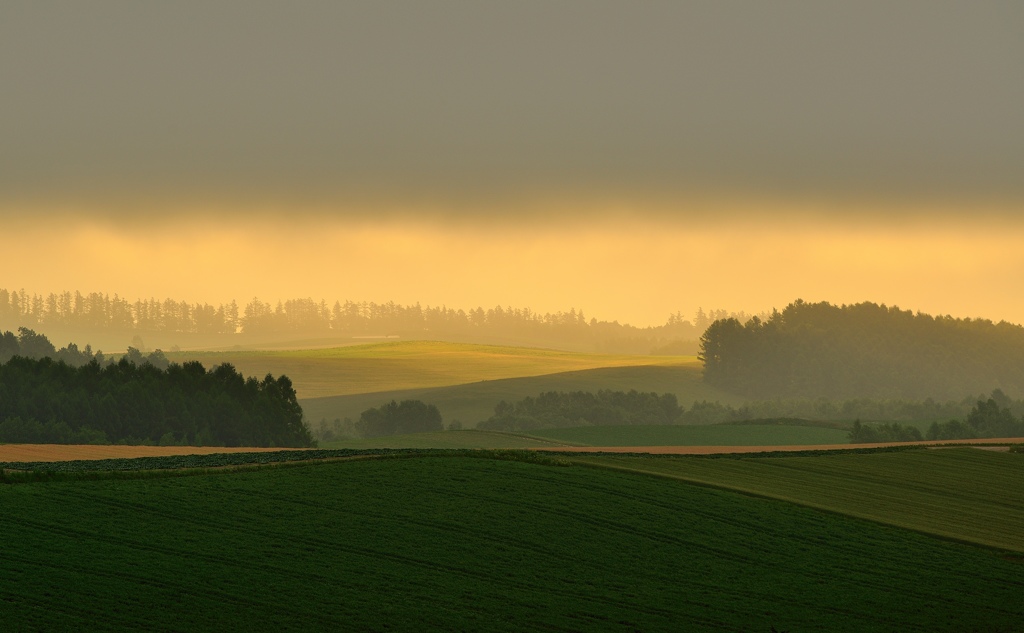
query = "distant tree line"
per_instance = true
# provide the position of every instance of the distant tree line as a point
(29, 344)
(306, 317)
(990, 418)
(886, 432)
(558, 409)
(883, 420)
(812, 350)
(867, 409)
(50, 401)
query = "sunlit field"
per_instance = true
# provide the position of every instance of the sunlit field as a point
(405, 365)
(474, 401)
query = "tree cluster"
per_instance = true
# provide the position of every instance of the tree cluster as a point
(47, 400)
(812, 350)
(988, 419)
(96, 312)
(887, 432)
(29, 344)
(704, 412)
(399, 418)
(559, 409)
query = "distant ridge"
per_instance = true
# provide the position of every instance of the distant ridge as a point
(864, 350)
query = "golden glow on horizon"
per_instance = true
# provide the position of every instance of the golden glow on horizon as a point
(635, 270)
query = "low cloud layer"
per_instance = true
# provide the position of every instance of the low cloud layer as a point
(467, 109)
(628, 159)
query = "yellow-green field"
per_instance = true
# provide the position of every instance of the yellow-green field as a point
(408, 365)
(959, 493)
(470, 403)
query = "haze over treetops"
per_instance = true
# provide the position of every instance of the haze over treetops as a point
(632, 161)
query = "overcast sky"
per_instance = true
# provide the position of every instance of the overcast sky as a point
(445, 113)
(312, 102)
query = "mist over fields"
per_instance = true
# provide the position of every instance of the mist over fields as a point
(442, 315)
(114, 322)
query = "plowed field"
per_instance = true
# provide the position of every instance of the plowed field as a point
(72, 452)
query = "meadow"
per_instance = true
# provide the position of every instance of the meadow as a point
(959, 493)
(472, 402)
(404, 365)
(455, 543)
(697, 435)
(464, 381)
(467, 438)
(633, 435)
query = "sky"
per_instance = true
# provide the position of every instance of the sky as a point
(630, 159)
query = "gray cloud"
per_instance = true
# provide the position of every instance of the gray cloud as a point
(465, 103)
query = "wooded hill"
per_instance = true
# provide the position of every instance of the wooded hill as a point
(865, 350)
(48, 401)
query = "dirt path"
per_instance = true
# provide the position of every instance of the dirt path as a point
(70, 452)
(711, 450)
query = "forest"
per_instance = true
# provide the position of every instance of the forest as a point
(92, 313)
(864, 350)
(44, 400)
(558, 409)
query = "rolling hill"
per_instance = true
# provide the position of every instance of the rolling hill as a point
(408, 365)
(435, 543)
(475, 401)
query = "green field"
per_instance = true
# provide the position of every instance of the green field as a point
(639, 435)
(961, 493)
(405, 365)
(470, 403)
(697, 435)
(470, 438)
(471, 544)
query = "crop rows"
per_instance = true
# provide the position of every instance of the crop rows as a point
(471, 544)
(218, 460)
(960, 493)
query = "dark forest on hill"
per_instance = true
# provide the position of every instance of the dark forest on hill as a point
(97, 315)
(47, 400)
(865, 350)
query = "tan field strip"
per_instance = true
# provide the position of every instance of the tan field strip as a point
(71, 452)
(713, 450)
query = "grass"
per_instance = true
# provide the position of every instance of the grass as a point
(960, 493)
(471, 544)
(470, 439)
(406, 365)
(697, 435)
(474, 401)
